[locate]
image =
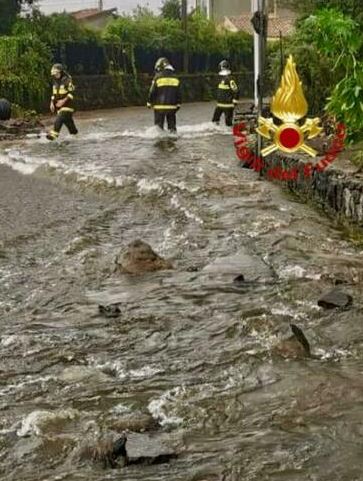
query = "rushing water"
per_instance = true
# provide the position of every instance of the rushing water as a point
(191, 348)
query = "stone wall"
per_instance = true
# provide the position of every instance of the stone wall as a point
(338, 189)
(106, 91)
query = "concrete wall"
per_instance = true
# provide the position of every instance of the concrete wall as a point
(222, 8)
(338, 190)
(225, 8)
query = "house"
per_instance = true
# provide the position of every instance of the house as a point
(218, 9)
(94, 17)
(235, 15)
(275, 26)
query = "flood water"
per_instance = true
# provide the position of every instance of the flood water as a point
(192, 350)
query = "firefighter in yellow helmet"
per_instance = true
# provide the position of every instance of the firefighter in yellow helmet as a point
(227, 95)
(165, 95)
(62, 102)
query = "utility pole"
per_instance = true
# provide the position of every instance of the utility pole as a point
(100, 5)
(259, 21)
(254, 9)
(184, 13)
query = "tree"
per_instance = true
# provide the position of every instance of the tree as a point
(349, 7)
(171, 9)
(327, 48)
(141, 12)
(55, 29)
(9, 10)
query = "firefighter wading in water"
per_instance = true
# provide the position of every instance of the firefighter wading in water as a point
(62, 102)
(164, 95)
(227, 95)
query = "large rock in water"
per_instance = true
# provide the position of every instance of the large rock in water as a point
(335, 298)
(139, 257)
(239, 267)
(130, 448)
(143, 448)
(295, 347)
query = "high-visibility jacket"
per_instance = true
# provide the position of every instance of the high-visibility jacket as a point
(64, 88)
(165, 92)
(227, 92)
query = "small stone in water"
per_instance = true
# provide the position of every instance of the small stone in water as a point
(335, 298)
(239, 279)
(112, 310)
(300, 336)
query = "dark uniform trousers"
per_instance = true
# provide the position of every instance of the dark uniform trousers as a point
(228, 114)
(65, 118)
(169, 115)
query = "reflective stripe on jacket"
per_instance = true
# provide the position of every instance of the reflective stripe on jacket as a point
(64, 88)
(227, 92)
(165, 91)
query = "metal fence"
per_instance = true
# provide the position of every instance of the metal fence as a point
(94, 59)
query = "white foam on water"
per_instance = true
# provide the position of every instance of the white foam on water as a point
(120, 409)
(98, 136)
(160, 186)
(115, 367)
(182, 186)
(262, 377)
(296, 272)
(153, 132)
(332, 354)
(23, 168)
(171, 239)
(119, 369)
(286, 311)
(308, 304)
(265, 224)
(145, 372)
(148, 186)
(10, 388)
(159, 408)
(91, 175)
(9, 340)
(176, 204)
(26, 164)
(203, 129)
(36, 420)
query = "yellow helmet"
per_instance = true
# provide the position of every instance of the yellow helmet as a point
(161, 64)
(57, 67)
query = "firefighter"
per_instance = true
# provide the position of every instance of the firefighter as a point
(164, 95)
(62, 102)
(227, 95)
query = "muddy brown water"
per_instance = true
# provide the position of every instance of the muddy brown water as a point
(191, 349)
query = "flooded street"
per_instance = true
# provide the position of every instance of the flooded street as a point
(194, 356)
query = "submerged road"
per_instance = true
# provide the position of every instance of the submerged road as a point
(193, 356)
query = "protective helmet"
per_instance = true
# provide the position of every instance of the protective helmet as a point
(57, 67)
(161, 64)
(224, 65)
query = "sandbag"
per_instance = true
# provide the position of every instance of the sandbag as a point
(5, 109)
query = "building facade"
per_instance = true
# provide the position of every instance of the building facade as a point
(218, 9)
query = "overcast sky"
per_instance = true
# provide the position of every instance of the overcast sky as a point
(49, 6)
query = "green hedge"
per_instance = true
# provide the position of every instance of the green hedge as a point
(327, 48)
(155, 33)
(24, 69)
